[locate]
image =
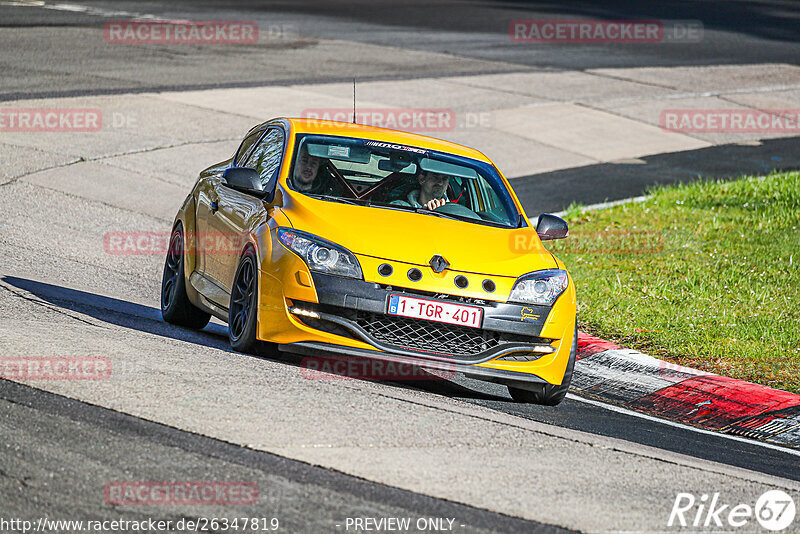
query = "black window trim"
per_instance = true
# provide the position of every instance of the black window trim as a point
(255, 129)
(266, 131)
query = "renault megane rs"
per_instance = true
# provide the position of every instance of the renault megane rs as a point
(323, 236)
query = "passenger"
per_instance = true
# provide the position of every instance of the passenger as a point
(432, 192)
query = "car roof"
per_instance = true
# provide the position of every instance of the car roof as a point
(347, 129)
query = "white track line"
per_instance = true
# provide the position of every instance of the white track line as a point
(605, 205)
(89, 10)
(619, 409)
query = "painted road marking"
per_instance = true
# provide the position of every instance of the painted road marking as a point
(643, 383)
(715, 401)
(625, 375)
(625, 411)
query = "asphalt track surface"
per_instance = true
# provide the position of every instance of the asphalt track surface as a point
(88, 445)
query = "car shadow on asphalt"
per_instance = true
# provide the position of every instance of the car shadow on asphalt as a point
(363, 369)
(148, 319)
(118, 312)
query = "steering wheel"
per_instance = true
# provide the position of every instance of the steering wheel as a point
(451, 208)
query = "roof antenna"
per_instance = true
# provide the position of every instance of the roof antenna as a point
(354, 101)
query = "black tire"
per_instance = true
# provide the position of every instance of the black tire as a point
(176, 308)
(243, 311)
(548, 394)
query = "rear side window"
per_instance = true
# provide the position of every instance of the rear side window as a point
(245, 146)
(266, 158)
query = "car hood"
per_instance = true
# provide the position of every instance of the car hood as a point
(415, 238)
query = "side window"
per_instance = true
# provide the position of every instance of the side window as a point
(245, 146)
(494, 205)
(267, 155)
(461, 190)
(476, 198)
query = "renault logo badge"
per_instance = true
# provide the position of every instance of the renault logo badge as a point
(438, 263)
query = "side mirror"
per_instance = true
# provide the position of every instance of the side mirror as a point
(244, 179)
(268, 192)
(551, 227)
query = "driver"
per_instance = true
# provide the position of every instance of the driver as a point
(432, 192)
(311, 176)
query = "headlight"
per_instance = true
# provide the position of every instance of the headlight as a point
(320, 255)
(540, 287)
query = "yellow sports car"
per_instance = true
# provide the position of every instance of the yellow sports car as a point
(322, 236)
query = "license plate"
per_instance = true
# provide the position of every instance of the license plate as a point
(434, 310)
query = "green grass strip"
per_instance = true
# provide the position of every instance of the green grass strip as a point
(703, 274)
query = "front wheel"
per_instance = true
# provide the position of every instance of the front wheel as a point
(243, 312)
(548, 394)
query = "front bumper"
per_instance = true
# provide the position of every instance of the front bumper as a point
(345, 304)
(314, 349)
(357, 309)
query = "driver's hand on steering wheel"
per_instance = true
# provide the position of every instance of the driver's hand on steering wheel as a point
(435, 203)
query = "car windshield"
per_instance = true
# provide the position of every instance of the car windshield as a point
(391, 176)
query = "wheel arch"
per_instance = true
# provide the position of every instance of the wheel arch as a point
(186, 217)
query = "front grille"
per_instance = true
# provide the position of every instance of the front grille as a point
(440, 339)
(427, 336)
(528, 357)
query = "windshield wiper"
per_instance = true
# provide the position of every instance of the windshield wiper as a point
(426, 211)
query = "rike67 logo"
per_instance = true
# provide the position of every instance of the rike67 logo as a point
(774, 510)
